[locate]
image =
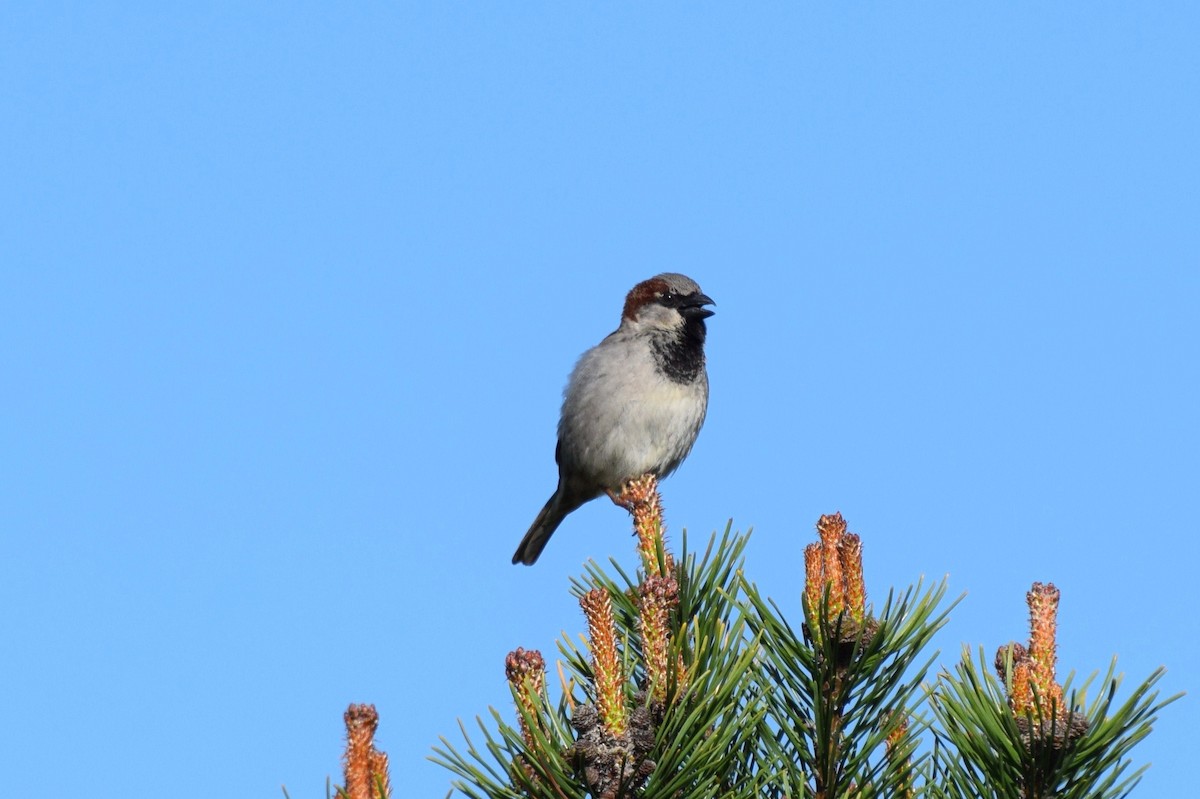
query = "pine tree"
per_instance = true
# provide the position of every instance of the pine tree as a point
(693, 685)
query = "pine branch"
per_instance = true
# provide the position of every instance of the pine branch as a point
(1022, 735)
(840, 687)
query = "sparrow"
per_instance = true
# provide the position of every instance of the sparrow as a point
(634, 403)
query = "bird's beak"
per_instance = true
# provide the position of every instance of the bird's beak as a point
(694, 306)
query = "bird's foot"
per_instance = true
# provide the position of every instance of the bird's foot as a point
(640, 497)
(635, 493)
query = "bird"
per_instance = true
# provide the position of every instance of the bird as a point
(633, 404)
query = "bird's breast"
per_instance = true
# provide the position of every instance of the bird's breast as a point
(622, 417)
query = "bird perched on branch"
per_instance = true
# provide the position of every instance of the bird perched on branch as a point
(634, 402)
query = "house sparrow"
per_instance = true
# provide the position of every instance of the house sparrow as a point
(634, 402)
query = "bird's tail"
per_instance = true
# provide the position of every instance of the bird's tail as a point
(551, 516)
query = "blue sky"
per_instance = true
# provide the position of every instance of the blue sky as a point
(289, 292)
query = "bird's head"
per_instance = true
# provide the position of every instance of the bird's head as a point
(669, 302)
